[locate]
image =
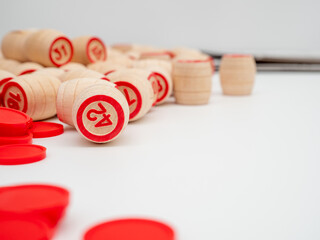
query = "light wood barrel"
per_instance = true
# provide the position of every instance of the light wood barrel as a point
(192, 81)
(67, 93)
(49, 48)
(34, 94)
(137, 90)
(13, 44)
(100, 113)
(237, 74)
(88, 49)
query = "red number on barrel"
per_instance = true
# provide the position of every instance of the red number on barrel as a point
(12, 102)
(105, 121)
(58, 51)
(97, 52)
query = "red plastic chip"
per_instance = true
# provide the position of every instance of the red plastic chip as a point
(130, 229)
(46, 129)
(23, 229)
(27, 139)
(14, 122)
(17, 154)
(42, 202)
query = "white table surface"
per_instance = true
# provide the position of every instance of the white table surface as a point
(238, 168)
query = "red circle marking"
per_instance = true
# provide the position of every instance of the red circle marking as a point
(136, 92)
(130, 229)
(237, 55)
(46, 129)
(17, 85)
(103, 47)
(21, 154)
(114, 132)
(27, 71)
(50, 51)
(23, 228)
(111, 71)
(3, 81)
(26, 139)
(14, 122)
(166, 87)
(155, 87)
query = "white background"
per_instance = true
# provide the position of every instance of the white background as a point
(289, 27)
(242, 168)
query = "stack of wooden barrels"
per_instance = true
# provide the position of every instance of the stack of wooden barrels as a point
(98, 90)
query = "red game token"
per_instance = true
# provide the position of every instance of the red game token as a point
(46, 129)
(26, 139)
(23, 229)
(21, 154)
(14, 122)
(130, 229)
(42, 202)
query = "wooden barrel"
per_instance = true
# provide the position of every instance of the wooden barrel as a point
(137, 90)
(67, 93)
(192, 81)
(49, 48)
(237, 74)
(34, 94)
(162, 72)
(88, 49)
(12, 45)
(100, 113)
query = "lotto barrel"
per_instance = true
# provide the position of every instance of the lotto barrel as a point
(68, 92)
(88, 49)
(33, 94)
(100, 113)
(49, 48)
(12, 45)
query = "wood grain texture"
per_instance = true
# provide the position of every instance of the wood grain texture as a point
(49, 48)
(88, 49)
(34, 94)
(13, 44)
(100, 113)
(192, 81)
(67, 93)
(137, 90)
(162, 72)
(237, 74)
